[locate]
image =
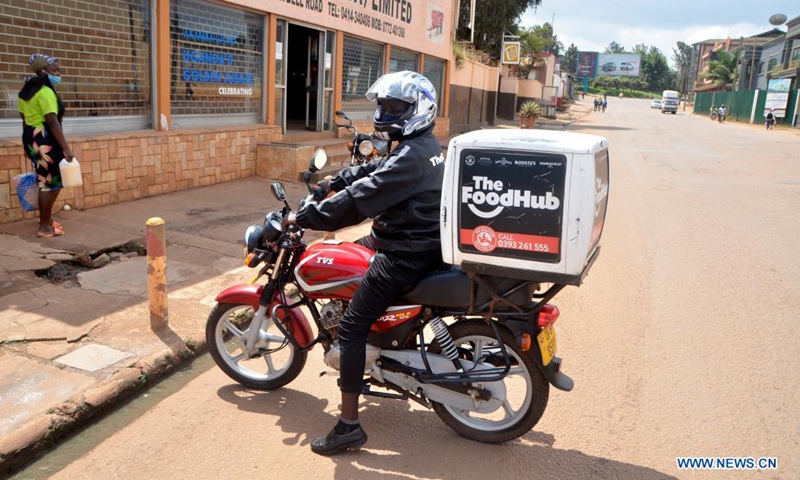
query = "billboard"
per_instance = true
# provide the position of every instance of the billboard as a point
(778, 96)
(619, 64)
(587, 64)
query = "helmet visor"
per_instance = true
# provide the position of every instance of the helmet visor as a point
(394, 108)
(403, 86)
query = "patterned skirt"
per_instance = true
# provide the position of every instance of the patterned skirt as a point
(42, 148)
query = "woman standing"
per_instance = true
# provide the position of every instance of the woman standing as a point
(42, 137)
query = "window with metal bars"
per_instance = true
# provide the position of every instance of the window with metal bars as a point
(400, 60)
(103, 49)
(216, 63)
(361, 66)
(434, 71)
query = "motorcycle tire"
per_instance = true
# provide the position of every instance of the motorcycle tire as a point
(223, 347)
(534, 401)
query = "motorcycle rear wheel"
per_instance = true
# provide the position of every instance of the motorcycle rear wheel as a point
(517, 416)
(227, 324)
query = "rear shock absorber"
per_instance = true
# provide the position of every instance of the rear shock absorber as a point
(445, 340)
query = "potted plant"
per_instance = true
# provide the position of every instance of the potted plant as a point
(528, 113)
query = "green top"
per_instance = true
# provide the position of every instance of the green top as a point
(34, 110)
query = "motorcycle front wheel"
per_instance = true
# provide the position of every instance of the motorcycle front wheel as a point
(527, 391)
(279, 363)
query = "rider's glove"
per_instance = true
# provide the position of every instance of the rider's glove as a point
(321, 190)
(288, 220)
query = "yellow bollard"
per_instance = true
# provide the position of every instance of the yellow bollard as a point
(157, 274)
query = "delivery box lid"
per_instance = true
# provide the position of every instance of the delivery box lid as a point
(531, 140)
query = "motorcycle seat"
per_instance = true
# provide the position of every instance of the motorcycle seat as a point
(450, 287)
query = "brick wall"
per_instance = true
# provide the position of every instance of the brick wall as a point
(127, 166)
(103, 49)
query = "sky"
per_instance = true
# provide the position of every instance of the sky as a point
(593, 24)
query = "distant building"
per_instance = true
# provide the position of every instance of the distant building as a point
(786, 64)
(702, 53)
(750, 58)
(769, 58)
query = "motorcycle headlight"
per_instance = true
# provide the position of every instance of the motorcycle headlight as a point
(272, 227)
(365, 148)
(252, 237)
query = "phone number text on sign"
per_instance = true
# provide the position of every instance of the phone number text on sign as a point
(486, 240)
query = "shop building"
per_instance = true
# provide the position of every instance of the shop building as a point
(167, 95)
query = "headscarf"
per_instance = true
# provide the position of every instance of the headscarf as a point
(39, 61)
(32, 85)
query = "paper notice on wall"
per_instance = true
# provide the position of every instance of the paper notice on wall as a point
(278, 50)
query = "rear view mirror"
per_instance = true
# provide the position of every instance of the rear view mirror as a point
(278, 191)
(319, 160)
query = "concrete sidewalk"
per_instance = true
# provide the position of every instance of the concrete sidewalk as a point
(75, 336)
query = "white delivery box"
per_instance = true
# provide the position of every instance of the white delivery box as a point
(526, 204)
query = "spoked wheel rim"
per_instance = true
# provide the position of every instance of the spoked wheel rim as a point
(231, 331)
(481, 348)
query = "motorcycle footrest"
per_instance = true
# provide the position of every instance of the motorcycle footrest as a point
(368, 391)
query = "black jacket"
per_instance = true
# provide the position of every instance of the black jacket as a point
(401, 192)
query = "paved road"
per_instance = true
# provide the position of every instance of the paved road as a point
(682, 342)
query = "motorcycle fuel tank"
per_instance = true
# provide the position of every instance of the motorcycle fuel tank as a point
(332, 269)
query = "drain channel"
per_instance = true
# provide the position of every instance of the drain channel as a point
(70, 265)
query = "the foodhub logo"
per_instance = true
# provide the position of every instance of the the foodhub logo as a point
(491, 193)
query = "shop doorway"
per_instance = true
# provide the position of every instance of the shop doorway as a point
(309, 79)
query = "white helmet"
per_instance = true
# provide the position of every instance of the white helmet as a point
(406, 103)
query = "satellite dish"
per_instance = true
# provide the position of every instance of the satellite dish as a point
(777, 19)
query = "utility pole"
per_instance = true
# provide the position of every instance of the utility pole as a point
(752, 65)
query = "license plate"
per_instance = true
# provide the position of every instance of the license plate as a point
(547, 344)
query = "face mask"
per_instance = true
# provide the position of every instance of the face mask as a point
(54, 80)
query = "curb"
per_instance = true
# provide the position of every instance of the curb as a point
(32, 440)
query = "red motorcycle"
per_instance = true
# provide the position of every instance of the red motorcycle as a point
(486, 371)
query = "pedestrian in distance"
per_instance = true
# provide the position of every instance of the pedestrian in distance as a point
(721, 114)
(620, 95)
(596, 103)
(770, 119)
(402, 193)
(714, 112)
(605, 104)
(42, 112)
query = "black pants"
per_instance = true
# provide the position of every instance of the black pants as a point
(387, 277)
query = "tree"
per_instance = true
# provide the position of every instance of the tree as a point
(722, 70)
(614, 47)
(654, 69)
(641, 49)
(682, 56)
(493, 18)
(552, 45)
(569, 62)
(534, 42)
